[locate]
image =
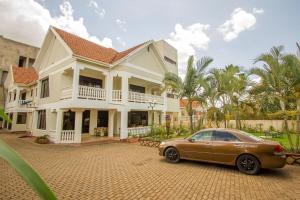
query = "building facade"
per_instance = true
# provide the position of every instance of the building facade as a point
(82, 89)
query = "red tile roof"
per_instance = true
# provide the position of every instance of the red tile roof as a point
(90, 50)
(24, 75)
(183, 103)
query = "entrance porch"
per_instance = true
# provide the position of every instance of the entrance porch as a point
(77, 125)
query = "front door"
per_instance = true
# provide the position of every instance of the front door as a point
(85, 121)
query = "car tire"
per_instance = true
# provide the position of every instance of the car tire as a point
(248, 164)
(172, 155)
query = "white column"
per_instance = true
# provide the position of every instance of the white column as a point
(124, 124)
(75, 86)
(59, 123)
(111, 114)
(93, 121)
(78, 125)
(108, 87)
(125, 89)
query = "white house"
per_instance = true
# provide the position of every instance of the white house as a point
(81, 85)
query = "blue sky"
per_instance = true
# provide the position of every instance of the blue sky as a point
(256, 25)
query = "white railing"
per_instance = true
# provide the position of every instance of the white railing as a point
(144, 98)
(116, 95)
(67, 136)
(92, 93)
(24, 102)
(142, 130)
(66, 93)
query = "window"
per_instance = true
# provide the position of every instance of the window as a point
(23, 95)
(15, 94)
(31, 62)
(137, 118)
(224, 136)
(21, 118)
(202, 136)
(102, 119)
(69, 120)
(136, 88)
(45, 88)
(22, 61)
(91, 82)
(41, 122)
(169, 60)
(31, 92)
(171, 95)
(10, 97)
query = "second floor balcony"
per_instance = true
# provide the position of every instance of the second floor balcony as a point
(116, 96)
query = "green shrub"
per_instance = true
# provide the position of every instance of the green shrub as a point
(42, 139)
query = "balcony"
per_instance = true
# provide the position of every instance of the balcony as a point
(94, 93)
(144, 98)
(86, 92)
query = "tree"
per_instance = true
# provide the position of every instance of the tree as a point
(275, 79)
(24, 169)
(190, 87)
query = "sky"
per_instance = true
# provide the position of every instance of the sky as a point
(229, 31)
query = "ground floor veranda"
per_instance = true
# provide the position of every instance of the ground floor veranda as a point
(75, 125)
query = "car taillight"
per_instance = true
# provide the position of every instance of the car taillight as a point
(278, 149)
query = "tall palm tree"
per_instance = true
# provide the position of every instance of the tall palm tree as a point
(276, 81)
(190, 87)
(211, 93)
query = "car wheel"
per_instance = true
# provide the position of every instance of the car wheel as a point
(172, 155)
(248, 164)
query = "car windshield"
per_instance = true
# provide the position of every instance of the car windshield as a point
(251, 136)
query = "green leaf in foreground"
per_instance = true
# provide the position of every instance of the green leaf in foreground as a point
(25, 170)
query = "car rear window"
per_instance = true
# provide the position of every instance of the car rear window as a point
(224, 136)
(258, 139)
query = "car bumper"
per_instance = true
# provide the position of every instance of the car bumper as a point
(275, 161)
(161, 150)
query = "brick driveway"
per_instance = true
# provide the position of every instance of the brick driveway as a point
(128, 171)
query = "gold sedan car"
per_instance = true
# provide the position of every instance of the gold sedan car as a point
(226, 146)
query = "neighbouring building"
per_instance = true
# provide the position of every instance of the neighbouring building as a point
(184, 117)
(13, 53)
(77, 89)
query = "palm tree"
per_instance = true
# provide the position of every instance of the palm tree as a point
(276, 81)
(190, 87)
(211, 93)
(24, 169)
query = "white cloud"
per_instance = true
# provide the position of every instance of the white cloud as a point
(122, 42)
(99, 11)
(187, 40)
(35, 20)
(121, 24)
(258, 11)
(240, 21)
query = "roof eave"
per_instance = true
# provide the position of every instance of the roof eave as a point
(91, 60)
(132, 53)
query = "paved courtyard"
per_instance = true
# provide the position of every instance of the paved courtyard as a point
(129, 171)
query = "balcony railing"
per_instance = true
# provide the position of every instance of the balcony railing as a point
(87, 92)
(144, 98)
(117, 95)
(142, 130)
(67, 136)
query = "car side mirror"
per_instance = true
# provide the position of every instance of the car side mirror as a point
(191, 140)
